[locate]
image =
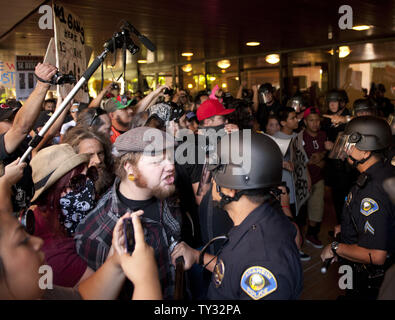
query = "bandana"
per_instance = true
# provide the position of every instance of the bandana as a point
(76, 205)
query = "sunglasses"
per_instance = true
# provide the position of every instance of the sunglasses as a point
(78, 182)
(98, 113)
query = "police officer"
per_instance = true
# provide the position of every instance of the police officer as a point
(259, 259)
(364, 107)
(368, 218)
(267, 106)
(338, 173)
(299, 103)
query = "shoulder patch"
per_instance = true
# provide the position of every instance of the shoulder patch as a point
(368, 206)
(258, 282)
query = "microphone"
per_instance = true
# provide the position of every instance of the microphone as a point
(146, 42)
(325, 265)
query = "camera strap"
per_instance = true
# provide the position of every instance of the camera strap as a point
(45, 81)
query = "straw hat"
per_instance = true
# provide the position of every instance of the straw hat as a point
(52, 163)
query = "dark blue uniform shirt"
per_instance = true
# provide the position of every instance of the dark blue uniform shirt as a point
(368, 217)
(260, 260)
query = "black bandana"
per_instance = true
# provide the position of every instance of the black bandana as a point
(75, 206)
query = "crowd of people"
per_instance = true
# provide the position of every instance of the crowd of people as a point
(149, 159)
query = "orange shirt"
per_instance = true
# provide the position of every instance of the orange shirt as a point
(115, 134)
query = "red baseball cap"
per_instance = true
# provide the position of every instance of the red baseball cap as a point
(211, 108)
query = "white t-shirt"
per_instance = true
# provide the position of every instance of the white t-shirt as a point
(66, 126)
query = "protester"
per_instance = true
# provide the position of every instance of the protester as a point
(96, 118)
(145, 181)
(120, 117)
(316, 146)
(86, 140)
(14, 141)
(68, 125)
(64, 194)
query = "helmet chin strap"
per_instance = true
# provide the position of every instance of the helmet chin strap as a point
(356, 162)
(226, 199)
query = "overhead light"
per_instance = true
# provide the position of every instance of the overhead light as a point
(361, 27)
(253, 44)
(187, 68)
(190, 86)
(223, 64)
(141, 61)
(224, 85)
(237, 78)
(344, 51)
(187, 54)
(272, 58)
(212, 78)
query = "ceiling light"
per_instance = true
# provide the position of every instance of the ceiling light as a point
(223, 64)
(253, 44)
(212, 78)
(224, 85)
(190, 86)
(187, 68)
(187, 54)
(272, 58)
(361, 27)
(141, 61)
(344, 51)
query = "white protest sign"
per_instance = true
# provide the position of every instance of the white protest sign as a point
(299, 175)
(70, 49)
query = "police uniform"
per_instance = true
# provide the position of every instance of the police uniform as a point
(368, 220)
(260, 260)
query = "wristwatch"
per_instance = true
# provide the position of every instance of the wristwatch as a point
(334, 247)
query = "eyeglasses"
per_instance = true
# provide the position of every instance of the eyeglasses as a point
(79, 181)
(98, 113)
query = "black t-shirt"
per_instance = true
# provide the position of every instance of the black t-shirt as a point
(264, 111)
(24, 188)
(150, 206)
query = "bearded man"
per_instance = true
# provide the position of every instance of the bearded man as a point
(145, 181)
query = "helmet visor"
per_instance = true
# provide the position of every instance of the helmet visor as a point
(343, 146)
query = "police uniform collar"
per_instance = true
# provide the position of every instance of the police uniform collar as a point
(372, 170)
(249, 223)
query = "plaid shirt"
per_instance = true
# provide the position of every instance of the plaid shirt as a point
(93, 235)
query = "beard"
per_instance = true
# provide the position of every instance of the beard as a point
(159, 192)
(122, 123)
(104, 181)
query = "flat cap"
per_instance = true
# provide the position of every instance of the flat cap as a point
(147, 140)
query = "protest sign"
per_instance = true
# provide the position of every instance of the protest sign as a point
(25, 79)
(70, 49)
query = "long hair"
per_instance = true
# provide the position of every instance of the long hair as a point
(48, 202)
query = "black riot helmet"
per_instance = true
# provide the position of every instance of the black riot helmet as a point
(369, 133)
(265, 88)
(343, 96)
(363, 106)
(298, 102)
(248, 160)
(333, 95)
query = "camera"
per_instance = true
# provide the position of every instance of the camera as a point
(60, 78)
(129, 235)
(168, 91)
